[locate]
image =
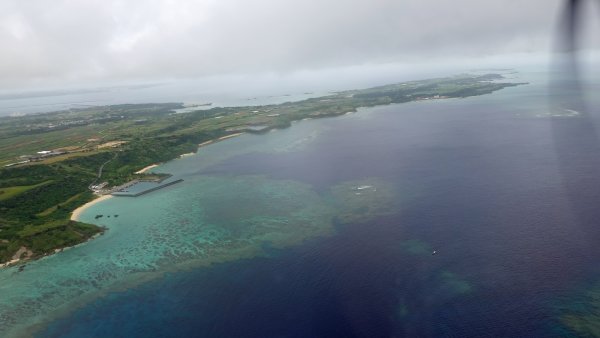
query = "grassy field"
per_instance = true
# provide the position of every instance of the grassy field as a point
(9, 192)
(54, 208)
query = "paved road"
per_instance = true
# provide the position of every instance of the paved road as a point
(100, 171)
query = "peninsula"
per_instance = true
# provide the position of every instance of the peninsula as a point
(52, 164)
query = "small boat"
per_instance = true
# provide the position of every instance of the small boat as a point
(434, 252)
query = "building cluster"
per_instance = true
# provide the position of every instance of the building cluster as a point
(97, 188)
(72, 123)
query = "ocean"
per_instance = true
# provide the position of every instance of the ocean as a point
(470, 217)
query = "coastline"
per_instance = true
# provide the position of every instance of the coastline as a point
(74, 217)
(222, 138)
(205, 143)
(17, 258)
(77, 212)
(228, 136)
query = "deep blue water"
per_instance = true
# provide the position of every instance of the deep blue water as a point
(509, 200)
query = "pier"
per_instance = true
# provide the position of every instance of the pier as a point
(126, 193)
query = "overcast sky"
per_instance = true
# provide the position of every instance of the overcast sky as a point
(72, 41)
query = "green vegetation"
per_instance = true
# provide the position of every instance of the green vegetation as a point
(39, 192)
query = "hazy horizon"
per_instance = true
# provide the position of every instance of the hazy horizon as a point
(107, 43)
(243, 89)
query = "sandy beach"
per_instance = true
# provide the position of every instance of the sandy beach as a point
(219, 139)
(229, 136)
(143, 170)
(205, 143)
(77, 212)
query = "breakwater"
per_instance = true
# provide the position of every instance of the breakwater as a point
(127, 193)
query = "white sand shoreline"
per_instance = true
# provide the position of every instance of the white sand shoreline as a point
(77, 212)
(206, 143)
(143, 170)
(229, 136)
(218, 139)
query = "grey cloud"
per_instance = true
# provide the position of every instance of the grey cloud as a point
(69, 41)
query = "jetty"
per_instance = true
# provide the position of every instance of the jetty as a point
(126, 190)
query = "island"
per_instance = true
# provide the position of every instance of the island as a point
(51, 164)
